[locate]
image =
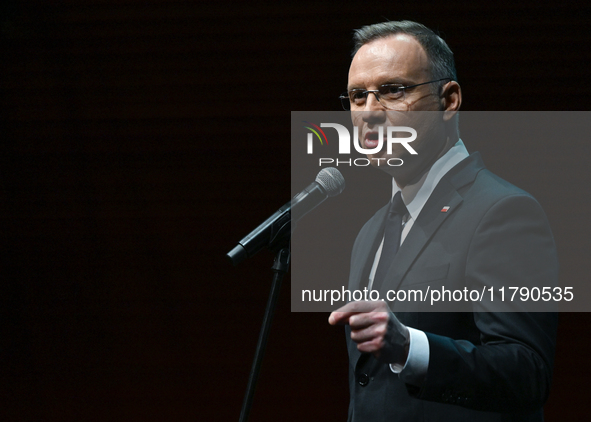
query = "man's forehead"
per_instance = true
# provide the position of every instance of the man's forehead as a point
(397, 54)
(403, 42)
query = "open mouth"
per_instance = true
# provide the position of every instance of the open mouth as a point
(371, 139)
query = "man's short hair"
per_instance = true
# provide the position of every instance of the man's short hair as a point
(441, 58)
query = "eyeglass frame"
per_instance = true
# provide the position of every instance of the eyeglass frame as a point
(376, 92)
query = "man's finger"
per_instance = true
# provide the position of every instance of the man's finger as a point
(364, 306)
(339, 318)
(363, 320)
(367, 334)
(342, 315)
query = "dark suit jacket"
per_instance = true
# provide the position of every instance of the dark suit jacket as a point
(483, 366)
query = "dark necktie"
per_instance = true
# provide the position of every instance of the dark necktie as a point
(392, 233)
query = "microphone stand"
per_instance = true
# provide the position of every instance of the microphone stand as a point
(280, 267)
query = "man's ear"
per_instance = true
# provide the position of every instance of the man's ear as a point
(451, 99)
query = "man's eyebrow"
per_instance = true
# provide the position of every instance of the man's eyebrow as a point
(396, 81)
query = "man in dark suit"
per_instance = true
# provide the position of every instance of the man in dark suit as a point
(453, 224)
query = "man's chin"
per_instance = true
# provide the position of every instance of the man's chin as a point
(387, 164)
(400, 168)
(383, 161)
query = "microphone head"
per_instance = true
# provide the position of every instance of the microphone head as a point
(331, 180)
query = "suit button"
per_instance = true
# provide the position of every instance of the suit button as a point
(363, 380)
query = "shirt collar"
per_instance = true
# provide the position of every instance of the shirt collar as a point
(415, 195)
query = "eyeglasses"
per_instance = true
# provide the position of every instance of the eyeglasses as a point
(389, 95)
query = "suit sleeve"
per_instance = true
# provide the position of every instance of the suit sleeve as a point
(510, 368)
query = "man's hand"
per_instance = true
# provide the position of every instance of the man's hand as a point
(375, 329)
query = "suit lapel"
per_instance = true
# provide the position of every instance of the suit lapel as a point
(431, 217)
(420, 234)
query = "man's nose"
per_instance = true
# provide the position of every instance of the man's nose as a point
(374, 111)
(372, 102)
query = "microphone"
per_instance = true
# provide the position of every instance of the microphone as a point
(329, 182)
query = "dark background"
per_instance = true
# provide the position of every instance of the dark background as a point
(141, 140)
